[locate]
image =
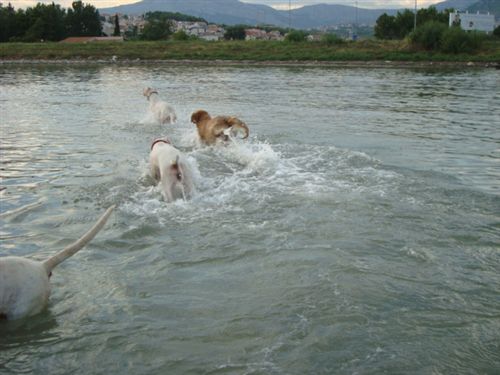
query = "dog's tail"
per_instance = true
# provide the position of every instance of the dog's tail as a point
(79, 244)
(235, 124)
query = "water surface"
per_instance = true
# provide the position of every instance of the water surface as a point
(355, 231)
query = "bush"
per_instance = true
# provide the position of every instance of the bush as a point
(236, 32)
(496, 32)
(456, 40)
(332, 39)
(429, 35)
(180, 35)
(296, 36)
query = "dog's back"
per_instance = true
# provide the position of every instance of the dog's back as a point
(163, 112)
(170, 167)
(24, 287)
(210, 129)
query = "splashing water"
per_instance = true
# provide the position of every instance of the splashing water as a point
(351, 233)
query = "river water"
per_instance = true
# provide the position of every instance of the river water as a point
(356, 231)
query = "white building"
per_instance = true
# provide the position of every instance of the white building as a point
(473, 21)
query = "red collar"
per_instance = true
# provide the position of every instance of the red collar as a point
(161, 140)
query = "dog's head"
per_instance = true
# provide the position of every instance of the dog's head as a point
(148, 91)
(200, 116)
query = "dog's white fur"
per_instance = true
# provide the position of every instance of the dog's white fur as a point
(162, 111)
(24, 283)
(170, 167)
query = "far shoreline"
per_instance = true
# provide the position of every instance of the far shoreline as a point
(375, 64)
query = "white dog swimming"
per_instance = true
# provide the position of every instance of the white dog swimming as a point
(169, 166)
(24, 283)
(162, 111)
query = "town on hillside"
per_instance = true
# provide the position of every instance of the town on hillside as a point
(132, 26)
(51, 22)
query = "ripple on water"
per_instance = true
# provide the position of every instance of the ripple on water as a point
(348, 234)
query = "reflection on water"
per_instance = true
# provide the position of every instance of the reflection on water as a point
(355, 231)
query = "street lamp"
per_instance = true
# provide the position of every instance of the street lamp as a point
(415, 18)
(356, 24)
(289, 14)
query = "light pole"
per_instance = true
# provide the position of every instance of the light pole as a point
(415, 18)
(356, 23)
(289, 14)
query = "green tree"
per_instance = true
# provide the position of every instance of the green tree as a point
(456, 40)
(46, 22)
(35, 32)
(180, 35)
(332, 39)
(20, 24)
(158, 26)
(116, 32)
(236, 32)
(7, 22)
(132, 34)
(83, 20)
(385, 27)
(429, 35)
(496, 32)
(296, 36)
(403, 23)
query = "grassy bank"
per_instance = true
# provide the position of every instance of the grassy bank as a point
(367, 50)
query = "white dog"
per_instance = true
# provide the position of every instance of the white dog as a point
(163, 112)
(170, 167)
(24, 283)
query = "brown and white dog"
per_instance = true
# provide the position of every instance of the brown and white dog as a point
(162, 111)
(211, 129)
(170, 167)
(24, 283)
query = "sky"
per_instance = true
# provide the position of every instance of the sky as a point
(278, 4)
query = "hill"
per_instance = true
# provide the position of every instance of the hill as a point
(228, 12)
(461, 5)
(473, 6)
(322, 15)
(484, 6)
(231, 12)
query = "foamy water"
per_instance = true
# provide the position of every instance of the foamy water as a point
(354, 231)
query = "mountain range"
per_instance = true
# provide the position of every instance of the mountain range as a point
(232, 12)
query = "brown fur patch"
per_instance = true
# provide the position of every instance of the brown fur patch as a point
(212, 128)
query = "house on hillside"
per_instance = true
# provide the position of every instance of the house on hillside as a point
(127, 24)
(191, 28)
(259, 34)
(256, 34)
(275, 35)
(473, 21)
(200, 30)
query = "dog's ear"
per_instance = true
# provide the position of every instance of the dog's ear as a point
(197, 116)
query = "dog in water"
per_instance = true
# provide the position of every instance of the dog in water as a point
(211, 129)
(171, 169)
(24, 283)
(162, 111)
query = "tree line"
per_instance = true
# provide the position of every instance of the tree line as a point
(432, 32)
(402, 24)
(48, 22)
